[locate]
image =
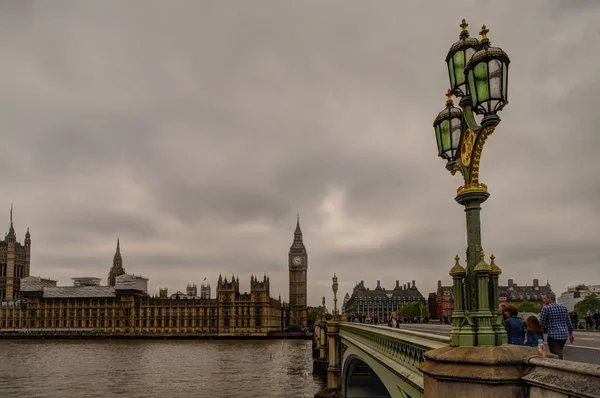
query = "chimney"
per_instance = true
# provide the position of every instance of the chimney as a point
(510, 283)
(536, 283)
(439, 284)
(378, 285)
(397, 284)
(404, 287)
(413, 286)
(408, 285)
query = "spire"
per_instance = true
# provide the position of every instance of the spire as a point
(117, 267)
(298, 231)
(11, 230)
(118, 260)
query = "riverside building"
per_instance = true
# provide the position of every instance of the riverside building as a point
(14, 262)
(381, 302)
(124, 307)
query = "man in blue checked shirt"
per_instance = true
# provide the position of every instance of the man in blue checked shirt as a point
(556, 319)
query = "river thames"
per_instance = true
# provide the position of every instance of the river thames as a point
(151, 368)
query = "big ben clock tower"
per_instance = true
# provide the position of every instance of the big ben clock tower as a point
(298, 264)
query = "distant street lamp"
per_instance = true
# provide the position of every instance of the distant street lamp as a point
(335, 289)
(479, 77)
(323, 309)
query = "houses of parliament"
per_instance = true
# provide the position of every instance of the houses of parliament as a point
(35, 305)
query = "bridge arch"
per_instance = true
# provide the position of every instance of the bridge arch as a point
(362, 381)
(359, 361)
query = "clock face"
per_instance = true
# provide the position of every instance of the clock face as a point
(297, 260)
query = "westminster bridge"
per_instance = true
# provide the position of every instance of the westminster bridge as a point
(362, 360)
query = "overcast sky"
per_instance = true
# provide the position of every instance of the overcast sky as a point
(196, 130)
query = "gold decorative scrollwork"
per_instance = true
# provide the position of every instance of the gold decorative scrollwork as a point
(471, 187)
(455, 167)
(466, 150)
(485, 133)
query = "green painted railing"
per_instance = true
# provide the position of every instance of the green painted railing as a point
(395, 353)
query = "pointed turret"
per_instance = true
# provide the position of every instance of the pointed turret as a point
(117, 267)
(298, 244)
(11, 237)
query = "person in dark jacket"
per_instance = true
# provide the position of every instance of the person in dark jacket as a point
(514, 326)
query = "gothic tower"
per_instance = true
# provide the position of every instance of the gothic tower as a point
(14, 262)
(117, 267)
(298, 265)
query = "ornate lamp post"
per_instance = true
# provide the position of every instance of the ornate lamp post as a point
(336, 317)
(479, 77)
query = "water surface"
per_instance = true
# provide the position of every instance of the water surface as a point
(167, 368)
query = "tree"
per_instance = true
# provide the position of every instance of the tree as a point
(526, 306)
(294, 328)
(313, 315)
(590, 303)
(413, 310)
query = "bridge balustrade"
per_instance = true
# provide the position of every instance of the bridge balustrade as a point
(378, 361)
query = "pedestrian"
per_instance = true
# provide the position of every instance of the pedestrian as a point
(555, 318)
(597, 319)
(574, 320)
(393, 322)
(515, 328)
(534, 332)
(503, 311)
(588, 320)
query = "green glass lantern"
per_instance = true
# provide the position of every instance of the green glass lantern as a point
(487, 78)
(448, 127)
(459, 54)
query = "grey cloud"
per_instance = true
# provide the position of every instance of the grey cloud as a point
(196, 131)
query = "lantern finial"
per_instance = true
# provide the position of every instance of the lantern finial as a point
(449, 97)
(482, 254)
(483, 33)
(463, 26)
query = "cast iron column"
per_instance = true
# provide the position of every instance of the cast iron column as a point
(472, 200)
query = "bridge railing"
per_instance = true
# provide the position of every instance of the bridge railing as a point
(405, 346)
(396, 353)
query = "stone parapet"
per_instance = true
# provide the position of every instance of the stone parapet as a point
(552, 378)
(476, 371)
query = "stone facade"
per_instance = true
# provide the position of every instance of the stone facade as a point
(14, 263)
(514, 294)
(126, 308)
(298, 266)
(380, 301)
